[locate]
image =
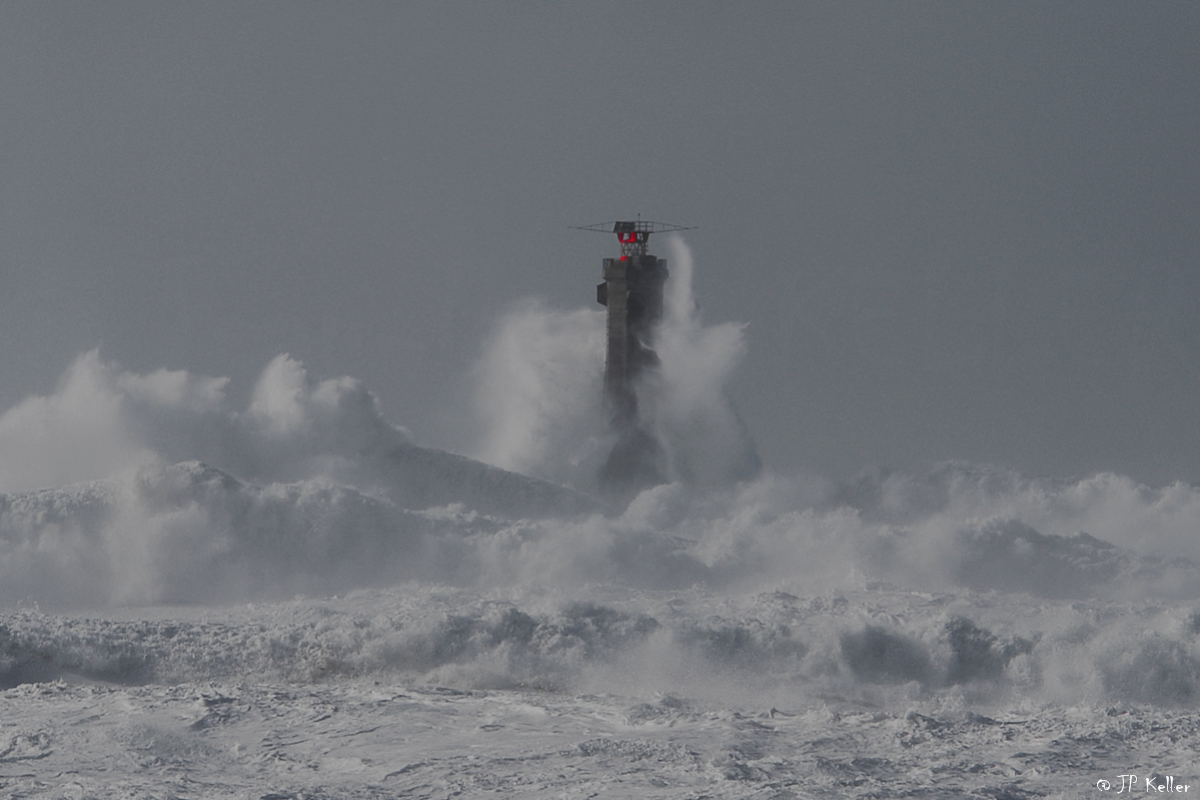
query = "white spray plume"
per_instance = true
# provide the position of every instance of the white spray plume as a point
(102, 420)
(538, 394)
(686, 402)
(92, 425)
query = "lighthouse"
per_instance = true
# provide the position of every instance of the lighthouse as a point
(632, 292)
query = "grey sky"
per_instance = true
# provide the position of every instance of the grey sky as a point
(956, 230)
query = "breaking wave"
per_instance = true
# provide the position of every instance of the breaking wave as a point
(877, 646)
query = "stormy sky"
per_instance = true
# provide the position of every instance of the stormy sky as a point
(954, 230)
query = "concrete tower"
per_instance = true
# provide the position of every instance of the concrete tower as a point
(633, 293)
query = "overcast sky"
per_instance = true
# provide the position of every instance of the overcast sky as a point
(956, 230)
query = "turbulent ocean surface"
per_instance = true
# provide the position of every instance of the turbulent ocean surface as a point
(294, 600)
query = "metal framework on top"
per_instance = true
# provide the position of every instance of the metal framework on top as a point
(632, 234)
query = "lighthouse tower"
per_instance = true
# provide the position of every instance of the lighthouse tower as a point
(632, 292)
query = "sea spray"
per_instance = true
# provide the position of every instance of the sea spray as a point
(539, 394)
(964, 583)
(686, 400)
(103, 420)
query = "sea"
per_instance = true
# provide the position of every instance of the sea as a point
(293, 599)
